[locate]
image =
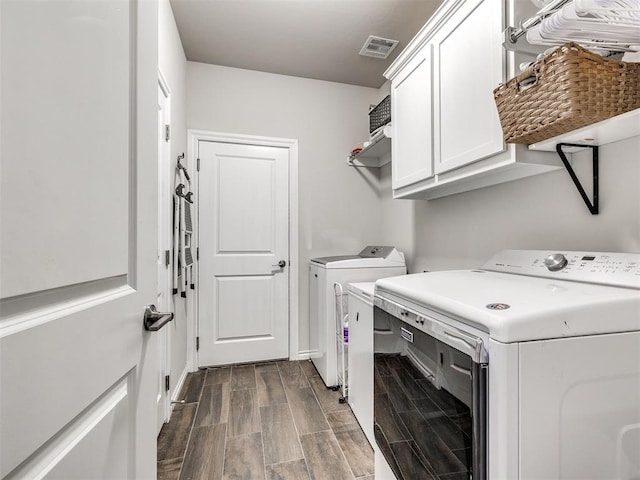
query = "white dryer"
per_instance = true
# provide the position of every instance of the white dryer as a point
(372, 263)
(525, 369)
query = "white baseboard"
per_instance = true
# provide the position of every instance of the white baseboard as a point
(302, 355)
(176, 391)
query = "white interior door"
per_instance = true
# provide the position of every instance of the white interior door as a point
(244, 234)
(163, 295)
(78, 235)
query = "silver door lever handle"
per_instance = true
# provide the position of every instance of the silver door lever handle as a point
(280, 264)
(154, 320)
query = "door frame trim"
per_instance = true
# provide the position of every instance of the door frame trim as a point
(195, 136)
(164, 226)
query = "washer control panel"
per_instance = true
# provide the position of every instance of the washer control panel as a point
(555, 262)
(617, 269)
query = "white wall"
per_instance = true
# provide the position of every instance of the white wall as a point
(338, 205)
(173, 65)
(541, 212)
(398, 218)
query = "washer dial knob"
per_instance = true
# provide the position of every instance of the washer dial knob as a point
(555, 262)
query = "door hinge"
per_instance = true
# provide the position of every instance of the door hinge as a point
(167, 258)
(197, 343)
(167, 385)
(167, 132)
(198, 164)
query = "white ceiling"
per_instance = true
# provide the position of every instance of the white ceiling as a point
(317, 39)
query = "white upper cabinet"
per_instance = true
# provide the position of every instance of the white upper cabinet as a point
(447, 136)
(470, 63)
(411, 105)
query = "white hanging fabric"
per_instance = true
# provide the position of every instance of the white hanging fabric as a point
(601, 26)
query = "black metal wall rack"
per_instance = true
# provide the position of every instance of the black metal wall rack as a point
(593, 206)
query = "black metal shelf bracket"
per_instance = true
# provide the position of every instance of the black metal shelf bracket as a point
(592, 206)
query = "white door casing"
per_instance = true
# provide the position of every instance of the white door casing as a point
(244, 201)
(165, 212)
(78, 230)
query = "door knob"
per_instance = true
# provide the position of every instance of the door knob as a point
(154, 320)
(280, 264)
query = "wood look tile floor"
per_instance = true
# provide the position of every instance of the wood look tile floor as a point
(263, 421)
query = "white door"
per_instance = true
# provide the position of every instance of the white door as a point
(244, 230)
(163, 295)
(78, 235)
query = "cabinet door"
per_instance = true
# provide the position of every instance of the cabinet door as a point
(469, 63)
(361, 363)
(411, 102)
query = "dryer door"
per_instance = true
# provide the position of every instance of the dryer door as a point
(430, 397)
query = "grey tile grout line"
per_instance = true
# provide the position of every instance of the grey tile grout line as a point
(195, 416)
(304, 456)
(264, 460)
(184, 455)
(328, 423)
(228, 424)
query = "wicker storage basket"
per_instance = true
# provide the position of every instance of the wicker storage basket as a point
(573, 88)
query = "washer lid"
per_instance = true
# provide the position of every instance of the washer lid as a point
(337, 258)
(370, 257)
(513, 308)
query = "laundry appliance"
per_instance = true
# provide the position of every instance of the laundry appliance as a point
(361, 333)
(527, 368)
(372, 263)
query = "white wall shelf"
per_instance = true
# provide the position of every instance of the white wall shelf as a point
(375, 154)
(607, 131)
(611, 130)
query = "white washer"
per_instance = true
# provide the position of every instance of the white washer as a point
(361, 355)
(372, 263)
(558, 334)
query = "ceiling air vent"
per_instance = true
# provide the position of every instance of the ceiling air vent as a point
(378, 47)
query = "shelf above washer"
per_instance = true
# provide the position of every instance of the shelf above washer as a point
(374, 154)
(610, 130)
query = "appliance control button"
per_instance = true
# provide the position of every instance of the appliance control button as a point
(555, 262)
